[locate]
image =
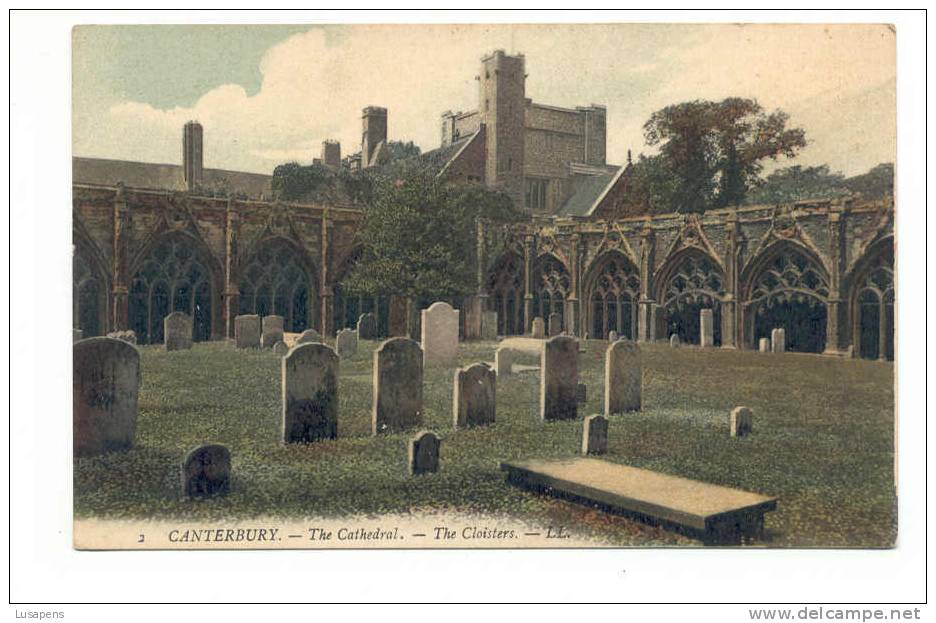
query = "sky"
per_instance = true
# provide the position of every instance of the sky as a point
(269, 94)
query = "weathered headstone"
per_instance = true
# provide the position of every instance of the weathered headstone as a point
(105, 386)
(741, 421)
(674, 341)
(559, 378)
(595, 435)
(310, 394)
(555, 324)
(424, 453)
(76, 334)
(439, 333)
(398, 386)
(206, 472)
(764, 345)
(706, 328)
(177, 331)
(778, 340)
(539, 328)
(581, 392)
(474, 399)
(280, 349)
(247, 331)
(367, 326)
(612, 336)
(272, 331)
(489, 326)
(127, 336)
(309, 336)
(623, 377)
(346, 343)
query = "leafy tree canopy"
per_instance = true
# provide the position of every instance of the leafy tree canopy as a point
(799, 183)
(418, 237)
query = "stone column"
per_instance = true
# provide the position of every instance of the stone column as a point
(119, 291)
(528, 251)
(834, 343)
(573, 316)
(646, 306)
(729, 313)
(476, 305)
(231, 294)
(326, 308)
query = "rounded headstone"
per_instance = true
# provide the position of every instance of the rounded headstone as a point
(177, 331)
(538, 328)
(740, 421)
(595, 435)
(280, 349)
(105, 389)
(206, 472)
(398, 386)
(623, 377)
(475, 396)
(247, 331)
(346, 343)
(559, 378)
(309, 336)
(674, 341)
(439, 333)
(272, 331)
(423, 453)
(309, 393)
(367, 326)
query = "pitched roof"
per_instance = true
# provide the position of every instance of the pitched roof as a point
(149, 175)
(591, 189)
(431, 162)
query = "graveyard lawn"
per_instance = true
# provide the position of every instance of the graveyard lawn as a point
(822, 443)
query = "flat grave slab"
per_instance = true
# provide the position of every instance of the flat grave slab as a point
(716, 514)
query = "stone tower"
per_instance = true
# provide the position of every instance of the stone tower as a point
(192, 165)
(595, 127)
(502, 104)
(331, 154)
(374, 132)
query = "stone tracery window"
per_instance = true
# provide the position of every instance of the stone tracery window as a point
(505, 286)
(695, 283)
(614, 297)
(875, 309)
(88, 292)
(172, 278)
(551, 286)
(275, 282)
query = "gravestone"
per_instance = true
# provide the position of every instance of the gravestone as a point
(280, 349)
(206, 472)
(367, 326)
(706, 328)
(310, 394)
(778, 340)
(612, 336)
(76, 334)
(177, 329)
(346, 343)
(309, 336)
(555, 324)
(595, 435)
(539, 328)
(581, 392)
(105, 386)
(439, 333)
(741, 421)
(423, 453)
(398, 386)
(474, 401)
(127, 336)
(764, 345)
(489, 326)
(559, 378)
(247, 331)
(272, 331)
(623, 377)
(674, 341)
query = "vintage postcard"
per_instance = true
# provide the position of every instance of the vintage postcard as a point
(483, 286)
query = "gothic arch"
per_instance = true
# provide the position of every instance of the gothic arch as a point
(786, 286)
(552, 287)
(689, 281)
(505, 290)
(278, 278)
(612, 288)
(91, 287)
(175, 271)
(871, 300)
(348, 307)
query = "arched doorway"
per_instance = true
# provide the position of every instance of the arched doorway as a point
(505, 290)
(551, 288)
(277, 281)
(89, 295)
(873, 306)
(788, 289)
(688, 283)
(612, 289)
(174, 276)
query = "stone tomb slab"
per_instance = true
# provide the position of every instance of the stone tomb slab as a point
(718, 515)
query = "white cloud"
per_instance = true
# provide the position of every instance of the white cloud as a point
(829, 78)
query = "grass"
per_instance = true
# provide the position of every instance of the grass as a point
(822, 443)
